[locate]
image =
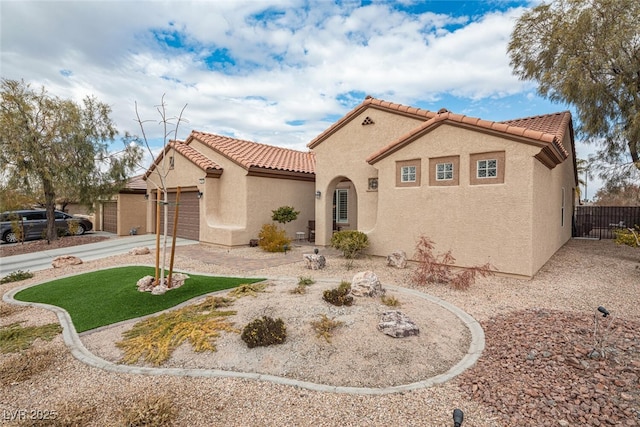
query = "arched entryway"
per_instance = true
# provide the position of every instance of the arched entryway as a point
(338, 210)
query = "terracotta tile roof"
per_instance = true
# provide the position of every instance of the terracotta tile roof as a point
(195, 157)
(252, 155)
(546, 131)
(370, 102)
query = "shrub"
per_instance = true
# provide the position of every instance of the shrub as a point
(17, 227)
(303, 282)
(339, 296)
(153, 410)
(438, 268)
(390, 301)
(264, 332)
(284, 214)
(350, 242)
(251, 289)
(15, 337)
(628, 236)
(273, 238)
(324, 327)
(74, 226)
(16, 276)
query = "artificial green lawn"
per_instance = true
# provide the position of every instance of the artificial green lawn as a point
(108, 296)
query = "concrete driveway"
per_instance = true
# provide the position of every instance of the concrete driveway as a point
(117, 245)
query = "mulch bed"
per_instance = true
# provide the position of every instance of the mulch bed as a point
(43, 245)
(539, 369)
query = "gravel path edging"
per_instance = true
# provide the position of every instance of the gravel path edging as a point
(80, 352)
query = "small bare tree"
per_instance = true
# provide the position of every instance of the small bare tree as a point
(158, 178)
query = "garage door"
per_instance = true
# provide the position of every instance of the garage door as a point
(188, 215)
(110, 217)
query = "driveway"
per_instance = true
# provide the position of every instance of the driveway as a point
(117, 245)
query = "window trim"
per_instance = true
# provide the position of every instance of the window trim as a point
(433, 166)
(400, 165)
(476, 158)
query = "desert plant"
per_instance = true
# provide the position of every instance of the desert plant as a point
(264, 331)
(273, 238)
(70, 414)
(434, 268)
(16, 276)
(15, 337)
(154, 339)
(27, 364)
(74, 226)
(303, 282)
(285, 214)
(390, 301)
(628, 236)
(153, 410)
(251, 289)
(350, 242)
(339, 296)
(324, 327)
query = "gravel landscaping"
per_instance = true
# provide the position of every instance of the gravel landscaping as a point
(538, 368)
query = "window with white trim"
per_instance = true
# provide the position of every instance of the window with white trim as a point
(444, 171)
(340, 202)
(408, 174)
(487, 168)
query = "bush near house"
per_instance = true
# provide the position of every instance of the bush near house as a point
(273, 238)
(628, 236)
(350, 242)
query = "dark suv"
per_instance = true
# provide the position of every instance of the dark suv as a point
(34, 224)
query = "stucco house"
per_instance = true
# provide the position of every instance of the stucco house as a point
(497, 192)
(125, 211)
(228, 187)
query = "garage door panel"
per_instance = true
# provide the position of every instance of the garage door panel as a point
(110, 217)
(188, 215)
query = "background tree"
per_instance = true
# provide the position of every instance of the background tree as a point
(587, 53)
(626, 195)
(52, 145)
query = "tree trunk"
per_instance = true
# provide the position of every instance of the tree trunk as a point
(50, 206)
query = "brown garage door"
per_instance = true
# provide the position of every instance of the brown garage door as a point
(188, 215)
(110, 217)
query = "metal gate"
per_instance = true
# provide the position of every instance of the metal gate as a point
(599, 222)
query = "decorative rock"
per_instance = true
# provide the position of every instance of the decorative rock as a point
(64, 260)
(315, 261)
(397, 324)
(146, 284)
(366, 284)
(397, 259)
(143, 250)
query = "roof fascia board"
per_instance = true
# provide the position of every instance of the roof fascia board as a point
(276, 173)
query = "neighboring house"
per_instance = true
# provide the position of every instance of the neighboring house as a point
(497, 192)
(229, 187)
(124, 212)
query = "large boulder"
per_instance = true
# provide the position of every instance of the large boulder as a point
(314, 261)
(366, 284)
(65, 260)
(397, 259)
(397, 324)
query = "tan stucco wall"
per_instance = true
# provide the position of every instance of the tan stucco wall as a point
(234, 206)
(550, 229)
(343, 156)
(132, 212)
(513, 225)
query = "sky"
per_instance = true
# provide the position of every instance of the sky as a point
(276, 72)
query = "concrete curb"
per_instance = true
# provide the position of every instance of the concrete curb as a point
(80, 352)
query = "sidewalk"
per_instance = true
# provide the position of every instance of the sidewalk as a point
(117, 245)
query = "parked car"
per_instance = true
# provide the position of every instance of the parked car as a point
(34, 224)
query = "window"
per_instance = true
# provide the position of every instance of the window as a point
(172, 162)
(487, 168)
(408, 173)
(444, 171)
(340, 203)
(562, 209)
